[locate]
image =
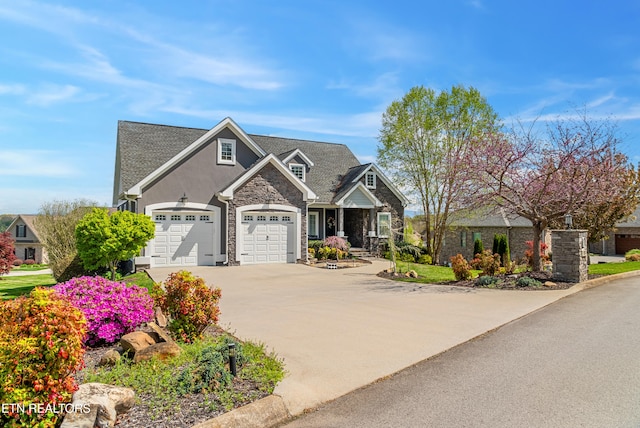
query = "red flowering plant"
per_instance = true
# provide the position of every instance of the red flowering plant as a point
(528, 253)
(190, 304)
(40, 349)
(112, 308)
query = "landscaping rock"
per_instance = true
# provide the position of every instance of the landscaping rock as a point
(161, 319)
(136, 341)
(163, 350)
(549, 284)
(413, 274)
(106, 402)
(162, 335)
(109, 358)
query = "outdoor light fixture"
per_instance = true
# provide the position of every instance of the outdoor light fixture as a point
(232, 359)
(183, 199)
(568, 220)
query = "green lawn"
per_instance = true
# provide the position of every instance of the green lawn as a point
(14, 286)
(435, 274)
(25, 267)
(613, 268)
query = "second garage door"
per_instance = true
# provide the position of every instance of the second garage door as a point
(267, 238)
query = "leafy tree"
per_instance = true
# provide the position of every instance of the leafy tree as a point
(574, 167)
(7, 255)
(5, 221)
(103, 240)
(56, 225)
(424, 141)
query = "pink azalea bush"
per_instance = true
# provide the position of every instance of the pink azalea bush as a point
(336, 242)
(111, 308)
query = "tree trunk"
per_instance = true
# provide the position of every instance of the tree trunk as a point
(538, 227)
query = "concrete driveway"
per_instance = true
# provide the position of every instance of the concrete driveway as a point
(338, 330)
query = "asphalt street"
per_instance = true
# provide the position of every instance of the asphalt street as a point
(575, 363)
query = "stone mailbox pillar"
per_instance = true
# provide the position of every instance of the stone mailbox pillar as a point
(570, 257)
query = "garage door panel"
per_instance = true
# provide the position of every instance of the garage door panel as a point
(267, 238)
(182, 239)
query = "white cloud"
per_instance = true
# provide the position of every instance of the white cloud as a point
(15, 89)
(51, 94)
(35, 163)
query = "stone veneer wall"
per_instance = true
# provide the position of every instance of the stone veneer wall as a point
(570, 261)
(391, 204)
(266, 185)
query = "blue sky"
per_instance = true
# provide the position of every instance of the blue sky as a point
(322, 70)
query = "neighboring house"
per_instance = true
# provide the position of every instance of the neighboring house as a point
(466, 228)
(625, 237)
(222, 196)
(27, 242)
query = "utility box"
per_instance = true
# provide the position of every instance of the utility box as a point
(570, 255)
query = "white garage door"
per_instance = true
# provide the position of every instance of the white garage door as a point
(267, 238)
(182, 239)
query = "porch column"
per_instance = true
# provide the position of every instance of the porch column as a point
(372, 222)
(340, 231)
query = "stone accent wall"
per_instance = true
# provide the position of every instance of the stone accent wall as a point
(266, 185)
(391, 204)
(517, 236)
(570, 262)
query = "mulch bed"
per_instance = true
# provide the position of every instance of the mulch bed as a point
(189, 409)
(505, 282)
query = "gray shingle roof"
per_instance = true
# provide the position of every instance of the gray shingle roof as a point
(144, 147)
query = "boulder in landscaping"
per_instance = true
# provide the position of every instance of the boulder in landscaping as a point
(106, 402)
(109, 358)
(136, 341)
(162, 350)
(161, 319)
(162, 335)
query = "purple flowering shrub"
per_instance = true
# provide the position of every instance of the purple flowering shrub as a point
(112, 309)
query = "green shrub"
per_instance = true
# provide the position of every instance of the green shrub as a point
(525, 281)
(461, 268)
(478, 248)
(190, 304)
(40, 349)
(316, 245)
(488, 263)
(632, 255)
(501, 247)
(406, 257)
(425, 259)
(486, 280)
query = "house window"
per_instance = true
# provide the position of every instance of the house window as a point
(247, 218)
(190, 217)
(370, 180)
(204, 218)
(298, 170)
(262, 218)
(176, 217)
(313, 224)
(226, 151)
(286, 218)
(477, 236)
(273, 218)
(21, 231)
(384, 225)
(160, 217)
(29, 253)
(463, 239)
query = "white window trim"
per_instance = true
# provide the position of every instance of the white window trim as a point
(222, 141)
(366, 180)
(314, 218)
(304, 172)
(380, 235)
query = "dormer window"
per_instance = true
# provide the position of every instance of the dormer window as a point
(226, 151)
(298, 170)
(370, 180)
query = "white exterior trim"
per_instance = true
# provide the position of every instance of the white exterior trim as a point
(136, 190)
(269, 207)
(378, 224)
(375, 202)
(298, 152)
(307, 193)
(304, 171)
(169, 206)
(219, 143)
(385, 180)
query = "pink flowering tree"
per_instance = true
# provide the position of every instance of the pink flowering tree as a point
(571, 168)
